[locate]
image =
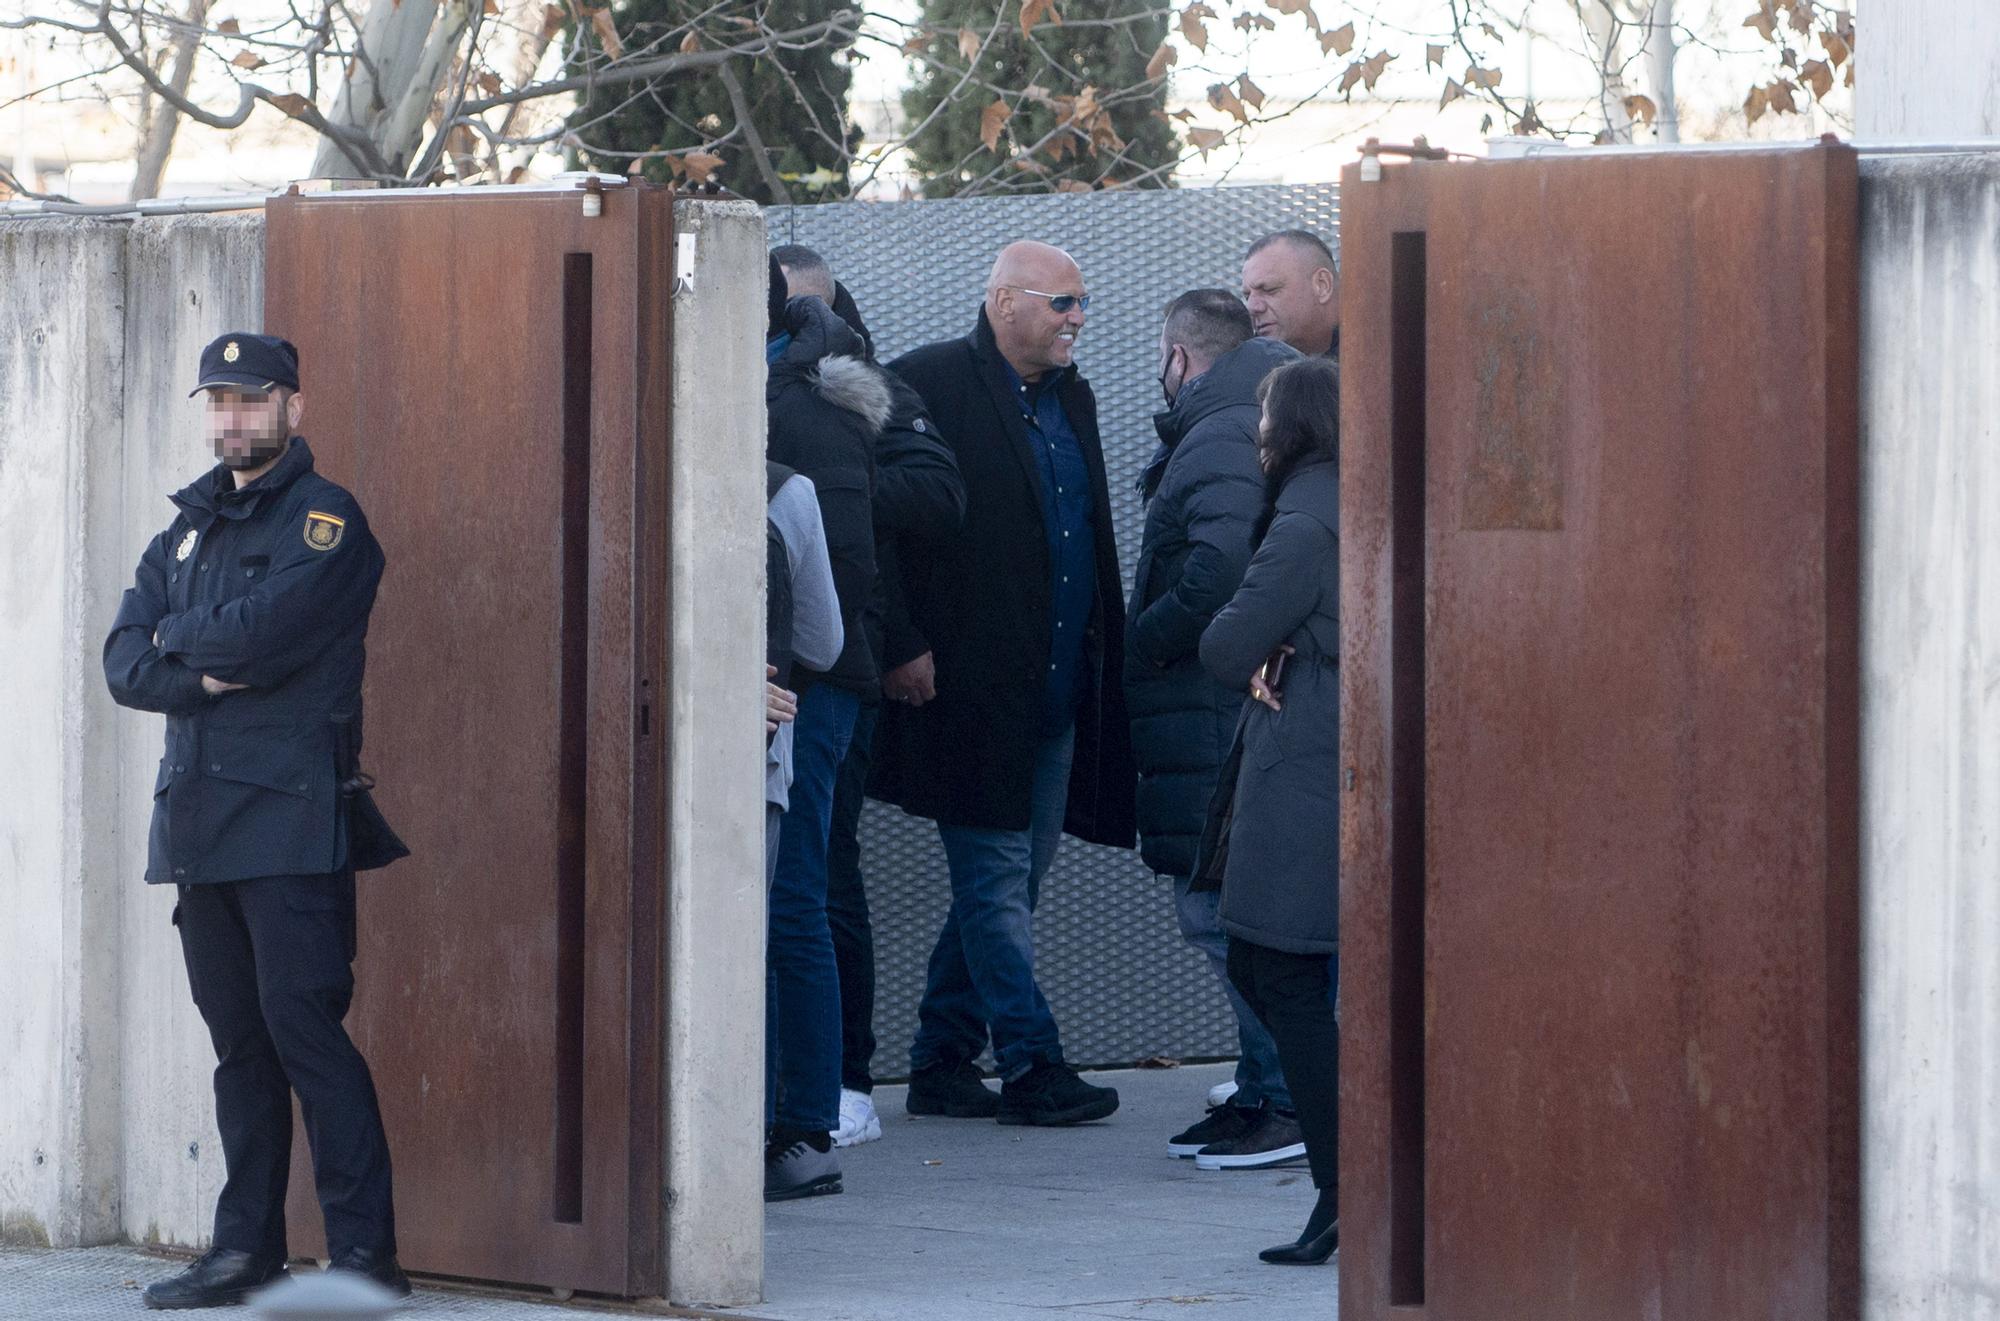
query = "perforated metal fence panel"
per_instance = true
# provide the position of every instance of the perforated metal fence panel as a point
(1122, 983)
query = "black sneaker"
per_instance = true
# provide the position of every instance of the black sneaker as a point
(1225, 1123)
(952, 1090)
(1050, 1095)
(1275, 1139)
(796, 1166)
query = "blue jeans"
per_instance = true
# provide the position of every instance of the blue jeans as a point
(1258, 1078)
(982, 973)
(801, 989)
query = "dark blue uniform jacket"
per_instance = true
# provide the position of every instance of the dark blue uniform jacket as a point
(268, 586)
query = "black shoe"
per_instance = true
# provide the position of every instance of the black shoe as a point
(1273, 1139)
(1050, 1094)
(952, 1090)
(1225, 1123)
(1309, 1252)
(220, 1277)
(798, 1169)
(380, 1267)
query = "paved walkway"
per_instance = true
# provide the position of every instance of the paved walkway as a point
(943, 1220)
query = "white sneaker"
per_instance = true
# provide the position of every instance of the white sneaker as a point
(858, 1121)
(1220, 1093)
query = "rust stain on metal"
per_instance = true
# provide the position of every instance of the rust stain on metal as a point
(1514, 478)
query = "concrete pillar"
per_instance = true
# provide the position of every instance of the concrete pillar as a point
(714, 1212)
(1929, 71)
(1930, 323)
(62, 338)
(188, 279)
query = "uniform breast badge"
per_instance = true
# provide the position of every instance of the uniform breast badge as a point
(186, 547)
(323, 531)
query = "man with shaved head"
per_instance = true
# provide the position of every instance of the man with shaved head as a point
(1291, 284)
(1017, 733)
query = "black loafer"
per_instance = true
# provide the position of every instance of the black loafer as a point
(1306, 1252)
(220, 1277)
(380, 1267)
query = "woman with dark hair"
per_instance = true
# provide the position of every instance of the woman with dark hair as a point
(1273, 843)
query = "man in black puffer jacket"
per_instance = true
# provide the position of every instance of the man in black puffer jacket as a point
(1204, 491)
(825, 405)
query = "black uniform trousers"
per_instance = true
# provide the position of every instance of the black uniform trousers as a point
(1292, 995)
(269, 962)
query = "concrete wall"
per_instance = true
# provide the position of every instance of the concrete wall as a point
(1930, 318)
(714, 1213)
(1929, 70)
(62, 290)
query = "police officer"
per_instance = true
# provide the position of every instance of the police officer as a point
(244, 626)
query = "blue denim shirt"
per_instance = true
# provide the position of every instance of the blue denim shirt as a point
(1068, 518)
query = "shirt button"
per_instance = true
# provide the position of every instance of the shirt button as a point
(215, 768)
(305, 788)
(180, 871)
(204, 568)
(173, 577)
(249, 573)
(180, 770)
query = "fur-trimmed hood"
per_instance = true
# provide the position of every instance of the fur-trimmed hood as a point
(854, 385)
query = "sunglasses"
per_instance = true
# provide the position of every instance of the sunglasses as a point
(1057, 302)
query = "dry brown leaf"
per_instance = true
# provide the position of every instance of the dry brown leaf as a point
(1206, 140)
(968, 44)
(1183, 115)
(1453, 90)
(1372, 69)
(1801, 15)
(607, 33)
(488, 82)
(1766, 23)
(1478, 77)
(1836, 49)
(1034, 11)
(248, 59)
(1072, 186)
(1250, 91)
(991, 121)
(1349, 77)
(1818, 75)
(1297, 7)
(1756, 104)
(553, 18)
(1641, 109)
(700, 164)
(1193, 30)
(1433, 57)
(1227, 102)
(1246, 22)
(229, 25)
(691, 42)
(916, 44)
(1163, 59)
(1782, 101)
(291, 103)
(490, 8)
(1339, 41)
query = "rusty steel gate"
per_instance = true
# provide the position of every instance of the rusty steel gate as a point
(1599, 914)
(489, 374)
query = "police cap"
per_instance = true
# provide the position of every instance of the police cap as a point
(248, 362)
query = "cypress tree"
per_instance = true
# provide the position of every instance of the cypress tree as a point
(1079, 111)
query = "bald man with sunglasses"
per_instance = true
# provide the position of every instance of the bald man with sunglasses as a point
(1019, 736)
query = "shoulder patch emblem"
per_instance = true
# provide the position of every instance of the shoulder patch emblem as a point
(186, 547)
(323, 531)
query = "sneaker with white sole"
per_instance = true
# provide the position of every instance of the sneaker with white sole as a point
(1221, 1124)
(1219, 1094)
(858, 1121)
(1275, 1140)
(796, 1169)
